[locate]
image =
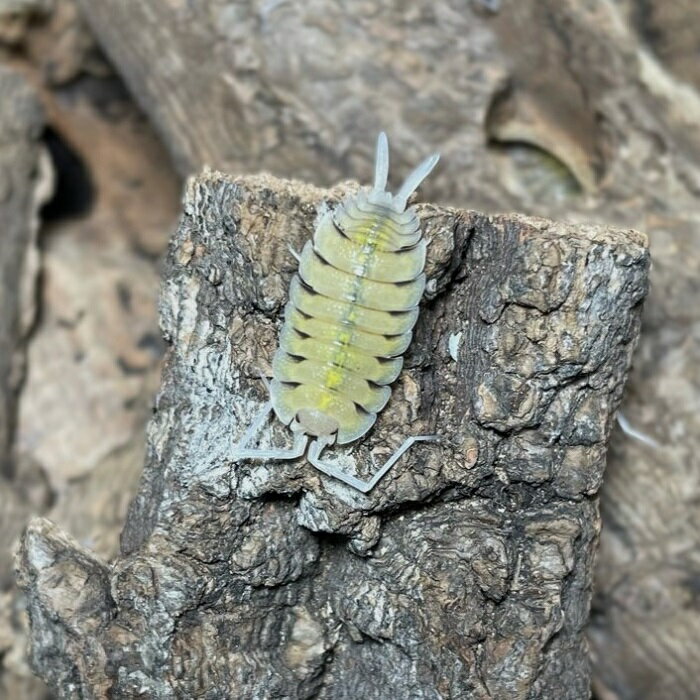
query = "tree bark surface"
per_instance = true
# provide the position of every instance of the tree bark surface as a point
(24, 186)
(467, 572)
(508, 92)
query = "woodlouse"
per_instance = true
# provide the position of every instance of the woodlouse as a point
(350, 316)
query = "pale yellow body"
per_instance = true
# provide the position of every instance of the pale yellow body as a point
(351, 311)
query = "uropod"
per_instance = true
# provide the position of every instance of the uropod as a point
(352, 307)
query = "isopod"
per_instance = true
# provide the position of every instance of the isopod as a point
(352, 307)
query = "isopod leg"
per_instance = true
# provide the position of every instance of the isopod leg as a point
(259, 420)
(257, 423)
(266, 382)
(297, 450)
(240, 451)
(331, 470)
(634, 433)
(362, 486)
(405, 446)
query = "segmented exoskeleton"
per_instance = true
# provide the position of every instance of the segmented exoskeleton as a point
(350, 316)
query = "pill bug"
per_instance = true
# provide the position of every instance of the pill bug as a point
(352, 307)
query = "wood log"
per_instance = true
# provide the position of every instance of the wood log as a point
(25, 184)
(608, 89)
(466, 573)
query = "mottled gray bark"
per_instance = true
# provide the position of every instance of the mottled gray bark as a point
(607, 88)
(19, 117)
(465, 573)
(24, 186)
(25, 183)
(296, 88)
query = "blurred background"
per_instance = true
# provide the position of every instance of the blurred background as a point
(585, 110)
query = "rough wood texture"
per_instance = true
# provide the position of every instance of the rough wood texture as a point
(25, 183)
(21, 189)
(647, 607)
(24, 186)
(93, 354)
(466, 573)
(296, 88)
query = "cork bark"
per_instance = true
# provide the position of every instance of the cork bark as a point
(25, 184)
(582, 111)
(466, 573)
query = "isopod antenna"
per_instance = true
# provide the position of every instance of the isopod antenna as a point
(381, 163)
(414, 179)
